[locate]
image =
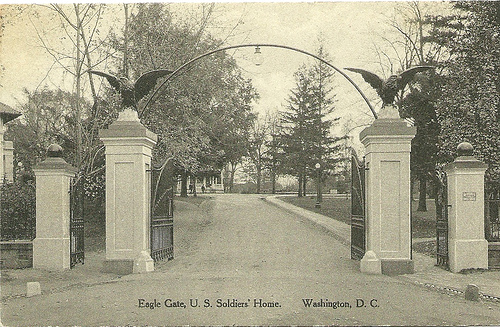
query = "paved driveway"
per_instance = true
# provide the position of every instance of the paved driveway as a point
(240, 260)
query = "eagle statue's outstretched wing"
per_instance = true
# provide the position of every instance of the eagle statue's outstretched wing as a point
(113, 80)
(408, 75)
(369, 77)
(147, 82)
(388, 89)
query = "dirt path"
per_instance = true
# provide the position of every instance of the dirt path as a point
(235, 251)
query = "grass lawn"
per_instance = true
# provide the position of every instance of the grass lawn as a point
(428, 247)
(423, 223)
(334, 207)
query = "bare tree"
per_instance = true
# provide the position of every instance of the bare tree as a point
(76, 52)
(410, 47)
(259, 135)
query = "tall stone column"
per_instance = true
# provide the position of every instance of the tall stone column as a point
(8, 164)
(51, 247)
(467, 246)
(388, 222)
(128, 161)
(6, 114)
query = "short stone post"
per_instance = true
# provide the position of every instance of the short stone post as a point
(8, 152)
(467, 246)
(128, 161)
(388, 222)
(2, 165)
(51, 247)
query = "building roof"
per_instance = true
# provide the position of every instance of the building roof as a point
(7, 113)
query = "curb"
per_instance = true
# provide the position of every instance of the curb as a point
(339, 230)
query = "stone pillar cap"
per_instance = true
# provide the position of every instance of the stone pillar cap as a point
(388, 127)
(55, 161)
(127, 125)
(465, 149)
(465, 158)
(54, 151)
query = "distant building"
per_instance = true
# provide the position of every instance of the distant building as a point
(6, 147)
(211, 181)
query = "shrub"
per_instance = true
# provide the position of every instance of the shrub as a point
(18, 211)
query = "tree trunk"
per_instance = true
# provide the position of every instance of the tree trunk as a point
(125, 42)
(78, 87)
(412, 187)
(422, 197)
(437, 200)
(184, 191)
(259, 173)
(231, 178)
(300, 185)
(304, 180)
(273, 182)
(193, 178)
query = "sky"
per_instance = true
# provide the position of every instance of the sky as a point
(350, 32)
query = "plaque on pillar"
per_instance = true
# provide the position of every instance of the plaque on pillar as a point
(468, 248)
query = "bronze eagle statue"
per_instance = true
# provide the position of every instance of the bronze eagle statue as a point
(388, 89)
(132, 93)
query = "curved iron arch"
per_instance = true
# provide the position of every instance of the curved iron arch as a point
(175, 72)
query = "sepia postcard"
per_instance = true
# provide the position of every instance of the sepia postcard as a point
(250, 163)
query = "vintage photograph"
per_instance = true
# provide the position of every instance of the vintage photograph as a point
(250, 163)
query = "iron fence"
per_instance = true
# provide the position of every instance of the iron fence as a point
(491, 211)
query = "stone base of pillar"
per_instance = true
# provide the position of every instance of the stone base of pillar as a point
(51, 253)
(370, 264)
(143, 263)
(397, 267)
(468, 254)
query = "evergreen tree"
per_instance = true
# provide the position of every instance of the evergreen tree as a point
(305, 138)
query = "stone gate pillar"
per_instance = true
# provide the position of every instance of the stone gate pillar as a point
(467, 246)
(6, 114)
(51, 247)
(8, 164)
(388, 227)
(128, 161)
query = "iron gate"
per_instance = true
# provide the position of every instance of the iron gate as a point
(442, 220)
(358, 216)
(492, 222)
(76, 222)
(162, 212)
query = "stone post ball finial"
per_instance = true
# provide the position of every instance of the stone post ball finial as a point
(54, 151)
(465, 149)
